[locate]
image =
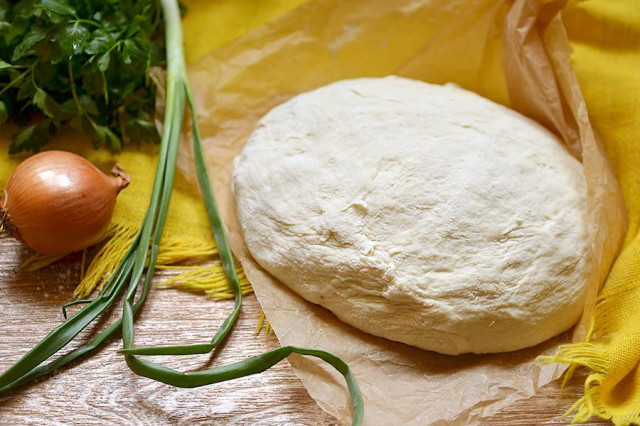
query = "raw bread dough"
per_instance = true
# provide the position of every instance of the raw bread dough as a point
(425, 214)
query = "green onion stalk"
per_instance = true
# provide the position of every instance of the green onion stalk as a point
(138, 266)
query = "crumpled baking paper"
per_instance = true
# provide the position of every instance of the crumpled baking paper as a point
(515, 53)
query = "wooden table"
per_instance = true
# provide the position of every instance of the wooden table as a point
(102, 390)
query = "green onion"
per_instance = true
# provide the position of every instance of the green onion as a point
(144, 251)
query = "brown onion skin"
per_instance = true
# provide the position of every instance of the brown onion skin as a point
(57, 202)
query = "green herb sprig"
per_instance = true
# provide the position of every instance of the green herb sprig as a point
(140, 261)
(85, 64)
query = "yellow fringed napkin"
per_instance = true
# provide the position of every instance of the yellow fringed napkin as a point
(605, 37)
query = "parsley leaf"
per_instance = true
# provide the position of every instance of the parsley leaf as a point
(31, 138)
(3, 113)
(29, 40)
(4, 65)
(58, 7)
(72, 39)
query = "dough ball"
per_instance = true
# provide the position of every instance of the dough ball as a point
(422, 213)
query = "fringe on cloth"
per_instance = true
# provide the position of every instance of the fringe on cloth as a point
(208, 279)
(595, 357)
(262, 322)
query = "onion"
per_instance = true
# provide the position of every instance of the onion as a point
(57, 202)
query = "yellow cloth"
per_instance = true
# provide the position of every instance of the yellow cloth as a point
(605, 38)
(210, 24)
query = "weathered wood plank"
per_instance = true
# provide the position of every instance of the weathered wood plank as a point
(102, 390)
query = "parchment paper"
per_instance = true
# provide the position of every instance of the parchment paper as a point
(515, 53)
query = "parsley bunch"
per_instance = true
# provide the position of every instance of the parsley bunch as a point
(84, 63)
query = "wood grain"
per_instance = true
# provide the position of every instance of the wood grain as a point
(102, 390)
